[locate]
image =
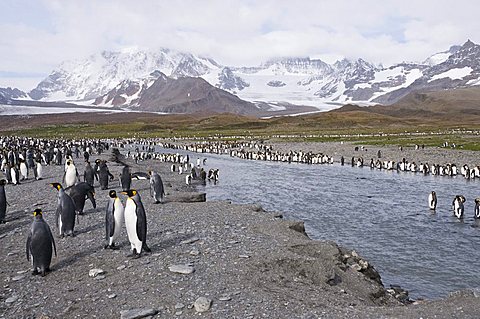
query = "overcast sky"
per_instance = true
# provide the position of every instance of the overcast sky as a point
(37, 35)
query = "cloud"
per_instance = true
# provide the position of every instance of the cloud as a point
(44, 33)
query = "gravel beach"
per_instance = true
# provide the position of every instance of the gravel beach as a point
(209, 259)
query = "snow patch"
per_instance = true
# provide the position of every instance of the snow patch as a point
(454, 74)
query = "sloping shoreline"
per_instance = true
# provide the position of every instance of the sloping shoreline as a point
(247, 262)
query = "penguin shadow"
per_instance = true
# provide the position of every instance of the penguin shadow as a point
(89, 228)
(78, 257)
(170, 242)
(15, 219)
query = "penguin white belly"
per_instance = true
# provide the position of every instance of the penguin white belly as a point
(118, 217)
(39, 171)
(23, 170)
(13, 173)
(70, 177)
(60, 225)
(431, 203)
(131, 225)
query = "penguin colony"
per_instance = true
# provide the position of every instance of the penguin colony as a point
(20, 156)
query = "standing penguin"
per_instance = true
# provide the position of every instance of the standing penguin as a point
(156, 187)
(65, 214)
(477, 207)
(114, 216)
(15, 175)
(39, 244)
(3, 201)
(38, 170)
(136, 223)
(79, 194)
(89, 174)
(104, 174)
(70, 177)
(432, 200)
(126, 178)
(458, 208)
(23, 170)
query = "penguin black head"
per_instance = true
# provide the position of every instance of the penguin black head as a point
(97, 161)
(112, 194)
(57, 186)
(130, 192)
(37, 212)
(3, 182)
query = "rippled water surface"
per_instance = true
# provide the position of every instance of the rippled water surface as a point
(381, 214)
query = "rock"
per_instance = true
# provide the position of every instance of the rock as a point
(18, 278)
(189, 241)
(179, 306)
(121, 267)
(11, 299)
(202, 304)
(95, 272)
(137, 313)
(112, 296)
(225, 298)
(194, 252)
(182, 269)
(297, 226)
(243, 256)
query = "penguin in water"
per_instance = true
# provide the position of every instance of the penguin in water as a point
(458, 208)
(432, 200)
(126, 178)
(65, 213)
(136, 223)
(114, 216)
(156, 187)
(39, 244)
(477, 207)
(70, 176)
(79, 193)
(3, 201)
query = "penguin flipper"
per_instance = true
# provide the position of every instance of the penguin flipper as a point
(53, 240)
(27, 246)
(141, 226)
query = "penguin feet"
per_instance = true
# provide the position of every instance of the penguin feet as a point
(146, 248)
(35, 272)
(112, 247)
(134, 254)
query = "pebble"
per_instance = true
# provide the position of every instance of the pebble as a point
(121, 267)
(243, 256)
(137, 313)
(112, 296)
(95, 272)
(18, 278)
(179, 306)
(225, 298)
(202, 304)
(194, 252)
(11, 299)
(189, 241)
(182, 269)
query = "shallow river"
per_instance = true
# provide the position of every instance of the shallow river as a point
(383, 215)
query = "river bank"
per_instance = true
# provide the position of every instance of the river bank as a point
(247, 262)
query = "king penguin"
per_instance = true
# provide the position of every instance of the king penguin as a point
(89, 174)
(156, 187)
(23, 170)
(3, 201)
(38, 170)
(477, 207)
(136, 223)
(126, 178)
(114, 216)
(432, 200)
(70, 177)
(65, 213)
(79, 193)
(458, 208)
(39, 244)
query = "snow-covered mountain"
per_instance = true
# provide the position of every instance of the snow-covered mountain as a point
(119, 78)
(7, 94)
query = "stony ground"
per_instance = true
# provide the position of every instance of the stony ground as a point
(244, 262)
